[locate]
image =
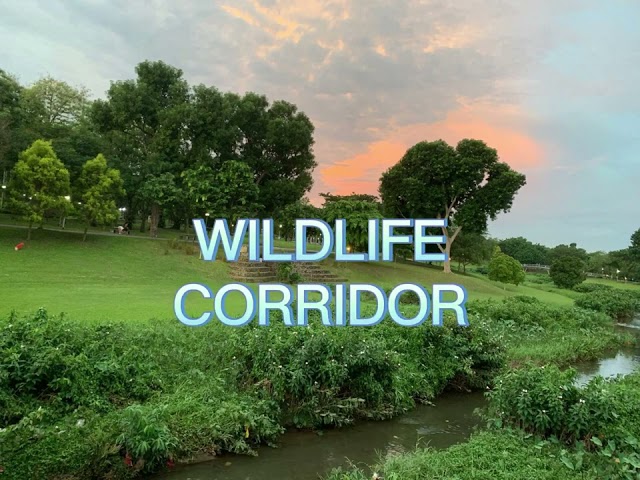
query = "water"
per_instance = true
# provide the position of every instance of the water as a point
(308, 456)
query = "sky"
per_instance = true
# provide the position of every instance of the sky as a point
(551, 84)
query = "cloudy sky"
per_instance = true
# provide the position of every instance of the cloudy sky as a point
(551, 84)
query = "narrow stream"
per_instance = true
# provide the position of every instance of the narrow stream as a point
(308, 456)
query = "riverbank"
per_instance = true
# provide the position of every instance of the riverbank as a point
(113, 400)
(541, 424)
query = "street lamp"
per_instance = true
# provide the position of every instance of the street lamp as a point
(280, 232)
(206, 222)
(4, 187)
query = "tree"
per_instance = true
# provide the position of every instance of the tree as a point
(235, 194)
(144, 120)
(10, 120)
(571, 250)
(598, 261)
(99, 187)
(505, 269)
(39, 183)
(567, 270)
(328, 197)
(49, 103)
(470, 248)
(356, 214)
(634, 249)
(568, 265)
(466, 185)
(525, 251)
(277, 143)
(289, 214)
(158, 191)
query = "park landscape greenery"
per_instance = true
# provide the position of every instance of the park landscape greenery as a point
(98, 381)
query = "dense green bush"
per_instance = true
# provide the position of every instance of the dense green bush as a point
(592, 287)
(95, 401)
(618, 304)
(531, 330)
(603, 416)
(287, 274)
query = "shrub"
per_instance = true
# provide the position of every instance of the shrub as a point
(591, 287)
(618, 304)
(286, 273)
(547, 402)
(505, 269)
(567, 271)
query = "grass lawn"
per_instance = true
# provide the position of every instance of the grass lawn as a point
(104, 278)
(124, 278)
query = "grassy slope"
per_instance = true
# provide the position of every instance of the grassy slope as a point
(119, 277)
(106, 278)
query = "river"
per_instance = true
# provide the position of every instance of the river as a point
(307, 455)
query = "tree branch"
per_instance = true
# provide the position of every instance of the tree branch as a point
(455, 234)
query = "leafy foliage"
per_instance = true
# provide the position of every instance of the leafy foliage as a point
(525, 251)
(568, 266)
(39, 183)
(505, 269)
(99, 187)
(357, 214)
(107, 395)
(467, 185)
(618, 304)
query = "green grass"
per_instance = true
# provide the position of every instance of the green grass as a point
(135, 279)
(102, 279)
(486, 456)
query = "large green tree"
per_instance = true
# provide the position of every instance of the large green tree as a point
(524, 251)
(277, 143)
(467, 185)
(99, 188)
(11, 121)
(144, 120)
(39, 184)
(634, 248)
(568, 265)
(356, 214)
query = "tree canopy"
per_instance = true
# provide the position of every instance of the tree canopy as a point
(39, 184)
(99, 188)
(467, 185)
(505, 269)
(525, 251)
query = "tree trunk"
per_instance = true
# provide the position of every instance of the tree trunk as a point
(155, 218)
(447, 263)
(29, 231)
(84, 237)
(143, 222)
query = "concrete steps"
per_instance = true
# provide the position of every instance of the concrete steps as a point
(266, 272)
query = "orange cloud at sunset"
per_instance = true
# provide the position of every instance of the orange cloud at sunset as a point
(361, 172)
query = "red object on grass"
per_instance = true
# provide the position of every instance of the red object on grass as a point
(128, 461)
(170, 463)
(19, 246)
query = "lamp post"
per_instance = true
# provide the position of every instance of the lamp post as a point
(280, 232)
(206, 222)
(4, 187)
(63, 220)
